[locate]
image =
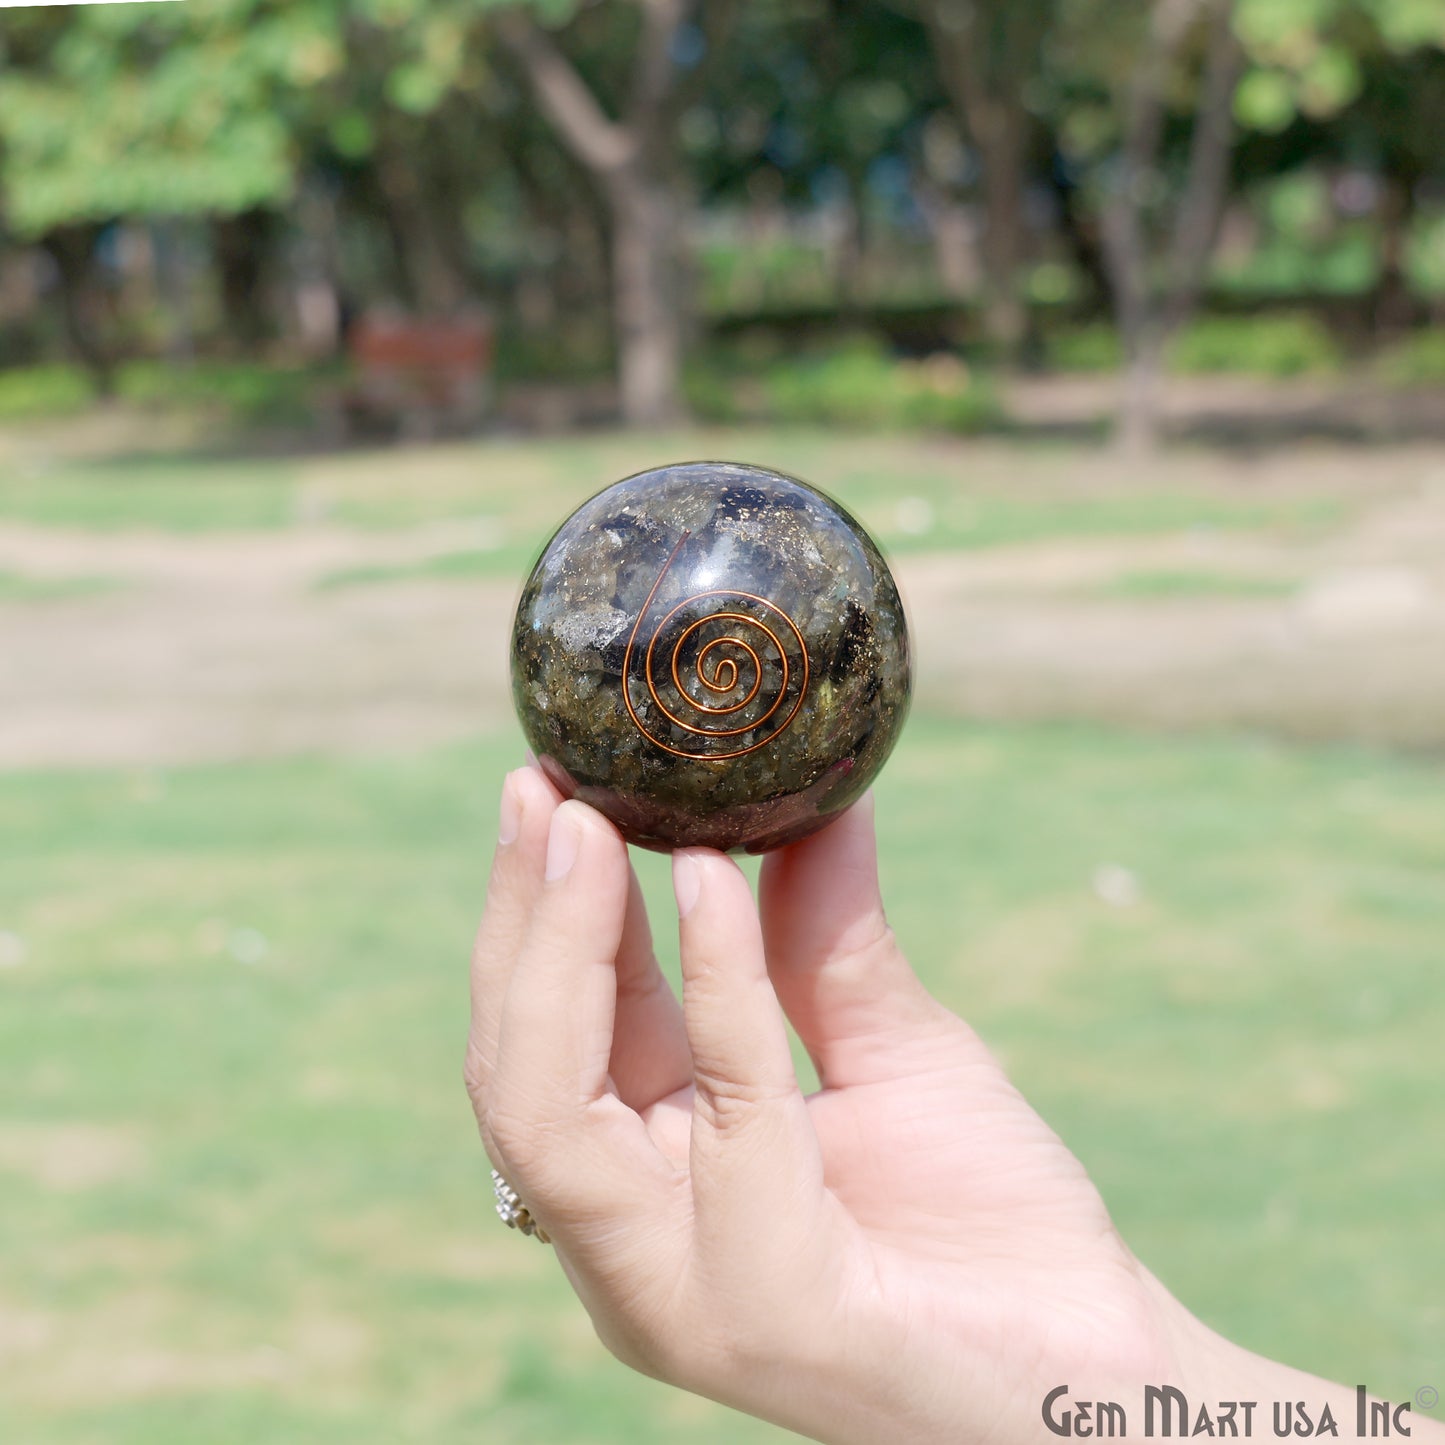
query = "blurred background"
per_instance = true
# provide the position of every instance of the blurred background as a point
(1120, 323)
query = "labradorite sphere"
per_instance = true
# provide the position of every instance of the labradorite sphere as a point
(711, 655)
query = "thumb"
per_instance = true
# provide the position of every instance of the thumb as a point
(859, 1009)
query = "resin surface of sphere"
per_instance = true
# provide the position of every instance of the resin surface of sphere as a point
(711, 655)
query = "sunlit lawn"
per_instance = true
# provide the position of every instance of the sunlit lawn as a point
(240, 1194)
(16, 588)
(913, 492)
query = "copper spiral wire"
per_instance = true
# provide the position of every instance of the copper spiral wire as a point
(725, 671)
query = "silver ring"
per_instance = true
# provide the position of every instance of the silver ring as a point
(513, 1213)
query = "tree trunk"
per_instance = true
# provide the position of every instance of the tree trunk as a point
(951, 233)
(985, 53)
(645, 252)
(850, 254)
(1004, 313)
(72, 249)
(1140, 425)
(316, 315)
(434, 285)
(631, 160)
(1080, 235)
(1392, 305)
(1152, 300)
(239, 244)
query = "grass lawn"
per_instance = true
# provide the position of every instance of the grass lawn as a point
(1162, 586)
(457, 566)
(172, 492)
(17, 588)
(913, 493)
(243, 1200)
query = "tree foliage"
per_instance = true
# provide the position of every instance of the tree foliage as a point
(1312, 58)
(550, 157)
(154, 109)
(213, 106)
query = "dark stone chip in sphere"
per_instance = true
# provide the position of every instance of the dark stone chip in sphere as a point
(712, 655)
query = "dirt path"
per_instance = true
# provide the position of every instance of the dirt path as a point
(224, 647)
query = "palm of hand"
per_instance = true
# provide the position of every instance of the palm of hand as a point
(960, 1207)
(977, 1219)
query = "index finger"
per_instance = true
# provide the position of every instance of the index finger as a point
(527, 804)
(581, 1160)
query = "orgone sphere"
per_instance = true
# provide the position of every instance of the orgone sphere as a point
(712, 655)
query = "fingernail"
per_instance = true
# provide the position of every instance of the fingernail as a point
(686, 882)
(509, 821)
(563, 840)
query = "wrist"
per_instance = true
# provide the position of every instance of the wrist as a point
(1233, 1388)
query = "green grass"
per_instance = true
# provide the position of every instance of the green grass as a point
(1416, 360)
(960, 520)
(243, 1198)
(850, 385)
(164, 492)
(239, 392)
(911, 492)
(1162, 585)
(1269, 345)
(44, 391)
(454, 566)
(17, 587)
(1272, 345)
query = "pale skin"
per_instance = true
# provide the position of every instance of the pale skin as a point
(909, 1254)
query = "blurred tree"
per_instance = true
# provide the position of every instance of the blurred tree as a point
(220, 110)
(634, 159)
(242, 244)
(818, 108)
(141, 110)
(83, 303)
(547, 153)
(403, 124)
(988, 53)
(146, 111)
(540, 229)
(1402, 108)
(1144, 102)
(1149, 310)
(1373, 73)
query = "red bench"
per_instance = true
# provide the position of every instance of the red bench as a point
(418, 378)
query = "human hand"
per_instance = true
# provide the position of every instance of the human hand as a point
(910, 1251)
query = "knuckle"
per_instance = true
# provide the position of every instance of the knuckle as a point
(870, 970)
(870, 943)
(728, 1105)
(528, 1147)
(474, 1076)
(504, 1125)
